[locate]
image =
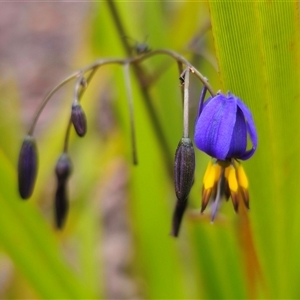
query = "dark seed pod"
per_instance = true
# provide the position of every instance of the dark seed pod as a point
(27, 167)
(78, 119)
(177, 217)
(184, 168)
(63, 170)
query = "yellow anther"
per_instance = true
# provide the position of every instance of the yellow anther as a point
(226, 173)
(207, 171)
(232, 180)
(209, 177)
(242, 177)
(218, 169)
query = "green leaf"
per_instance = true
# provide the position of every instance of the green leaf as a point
(257, 46)
(31, 245)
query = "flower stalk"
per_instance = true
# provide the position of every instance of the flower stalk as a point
(121, 61)
(186, 103)
(184, 164)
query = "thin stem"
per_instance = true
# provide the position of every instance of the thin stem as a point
(78, 84)
(91, 67)
(186, 104)
(131, 112)
(143, 82)
(80, 94)
(131, 60)
(180, 70)
(67, 136)
(45, 101)
(181, 59)
(87, 81)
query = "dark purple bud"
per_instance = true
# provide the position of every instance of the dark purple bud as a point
(63, 170)
(27, 167)
(184, 168)
(177, 217)
(78, 119)
(63, 167)
(61, 205)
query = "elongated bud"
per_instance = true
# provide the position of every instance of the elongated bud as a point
(63, 170)
(61, 205)
(177, 217)
(184, 168)
(78, 119)
(27, 167)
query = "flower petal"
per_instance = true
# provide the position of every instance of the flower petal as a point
(215, 125)
(201, 101)
(238, 143)
(251, 129)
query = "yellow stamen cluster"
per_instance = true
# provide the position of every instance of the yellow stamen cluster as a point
(225, 179)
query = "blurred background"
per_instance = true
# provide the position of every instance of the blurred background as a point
(116, 242)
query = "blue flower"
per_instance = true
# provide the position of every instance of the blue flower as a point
(222, 128)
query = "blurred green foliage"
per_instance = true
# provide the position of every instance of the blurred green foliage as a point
(249, 255)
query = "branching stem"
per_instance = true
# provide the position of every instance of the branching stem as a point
(131, 60)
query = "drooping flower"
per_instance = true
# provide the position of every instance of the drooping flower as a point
(223, 126)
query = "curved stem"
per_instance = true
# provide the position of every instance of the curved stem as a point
(67, 136)
(182, 60)
(78, 84)
(131, 60)
(91, 67)
(45, 101)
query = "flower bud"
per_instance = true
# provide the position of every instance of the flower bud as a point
(184, 168)
(63, 167)
(63, 170)
(78, 119)
(27, 167)
(61, 205)
(177, 217)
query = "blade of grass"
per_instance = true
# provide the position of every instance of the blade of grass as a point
(31, 245)
(257, 45)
